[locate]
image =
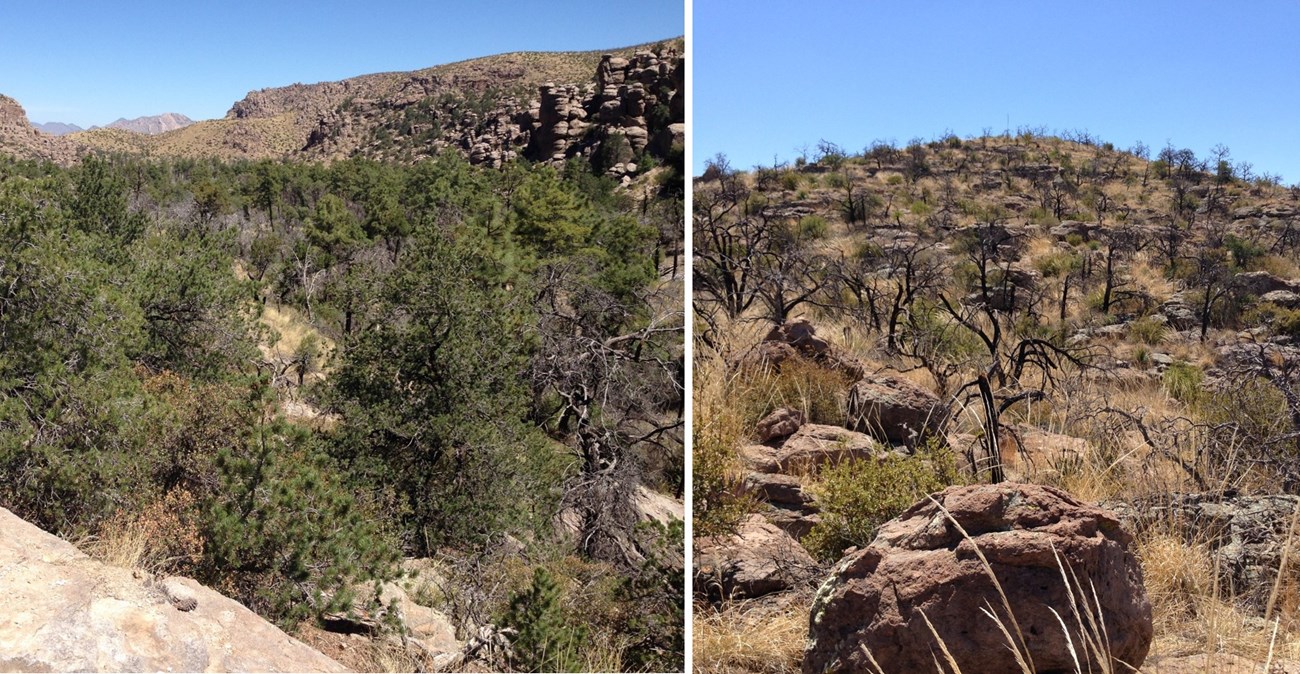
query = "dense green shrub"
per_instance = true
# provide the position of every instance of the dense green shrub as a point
(857, 496)
(812, 227)
(1148, 330)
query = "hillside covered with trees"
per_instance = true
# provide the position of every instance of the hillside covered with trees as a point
(1117, 323)
(293, 381)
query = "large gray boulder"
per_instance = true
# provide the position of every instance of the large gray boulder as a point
(811, 447)
(1243, 534)
(63, 611)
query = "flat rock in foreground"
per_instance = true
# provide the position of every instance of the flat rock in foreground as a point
(62, 611)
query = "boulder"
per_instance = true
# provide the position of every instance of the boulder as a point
(813, 446)
(652, 506)
(776, 488)
(765, 355)
(1287, 299)
(1179, 312)
(794, 521)
(781, 423)
(895, 409)
(424, 628)
(758, 559)
(920, 564)
(1260, 283)
(800, 334)
(64, 611)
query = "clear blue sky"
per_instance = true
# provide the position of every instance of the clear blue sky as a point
(91, 62)
(772, 76)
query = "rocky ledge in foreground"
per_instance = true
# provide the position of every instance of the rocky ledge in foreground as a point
(60, 610)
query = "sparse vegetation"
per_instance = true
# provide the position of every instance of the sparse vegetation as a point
(1111, 305)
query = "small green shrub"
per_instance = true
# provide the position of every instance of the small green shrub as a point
(812, 227)
(1148, 330)
(1280, 320)
(808, 387)
(790, 180)
(1182, 381)
(856, 497)
(836, 180)
(894, 180)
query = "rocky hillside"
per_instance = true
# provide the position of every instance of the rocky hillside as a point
(19, 138)
(1122, 325)
(617, 108)
(154, 124)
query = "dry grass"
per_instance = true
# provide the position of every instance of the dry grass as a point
(288, 330)
(749, 637)
(160, 539)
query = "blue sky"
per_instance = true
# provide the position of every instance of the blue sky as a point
(771, 77)
(91, 62)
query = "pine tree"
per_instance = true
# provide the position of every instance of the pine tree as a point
(546, 642)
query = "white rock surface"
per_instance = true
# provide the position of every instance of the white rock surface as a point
(62, 611)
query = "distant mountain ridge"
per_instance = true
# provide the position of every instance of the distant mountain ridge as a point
(56, 128)
(154, 124)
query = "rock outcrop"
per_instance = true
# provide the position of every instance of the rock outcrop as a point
(781, 423)
(608, 117)
(758, 559)
(64, 611)
(800, 335)
(19, 138)
(894, 409)
(1244, 535)
(813, 446)
(153, 124)
(920, 564)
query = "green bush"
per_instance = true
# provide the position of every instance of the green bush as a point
(1182, 381)
(1148, 330)
(857, 496)
(285, 534)
(1278, 319)
(791, 180)
(812, 227)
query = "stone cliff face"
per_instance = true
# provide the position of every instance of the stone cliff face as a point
(632, 106)
(548, 107)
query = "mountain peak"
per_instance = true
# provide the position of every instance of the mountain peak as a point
(153, 125)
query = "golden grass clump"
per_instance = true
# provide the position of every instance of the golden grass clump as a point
(163, 538)
(749, 637)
